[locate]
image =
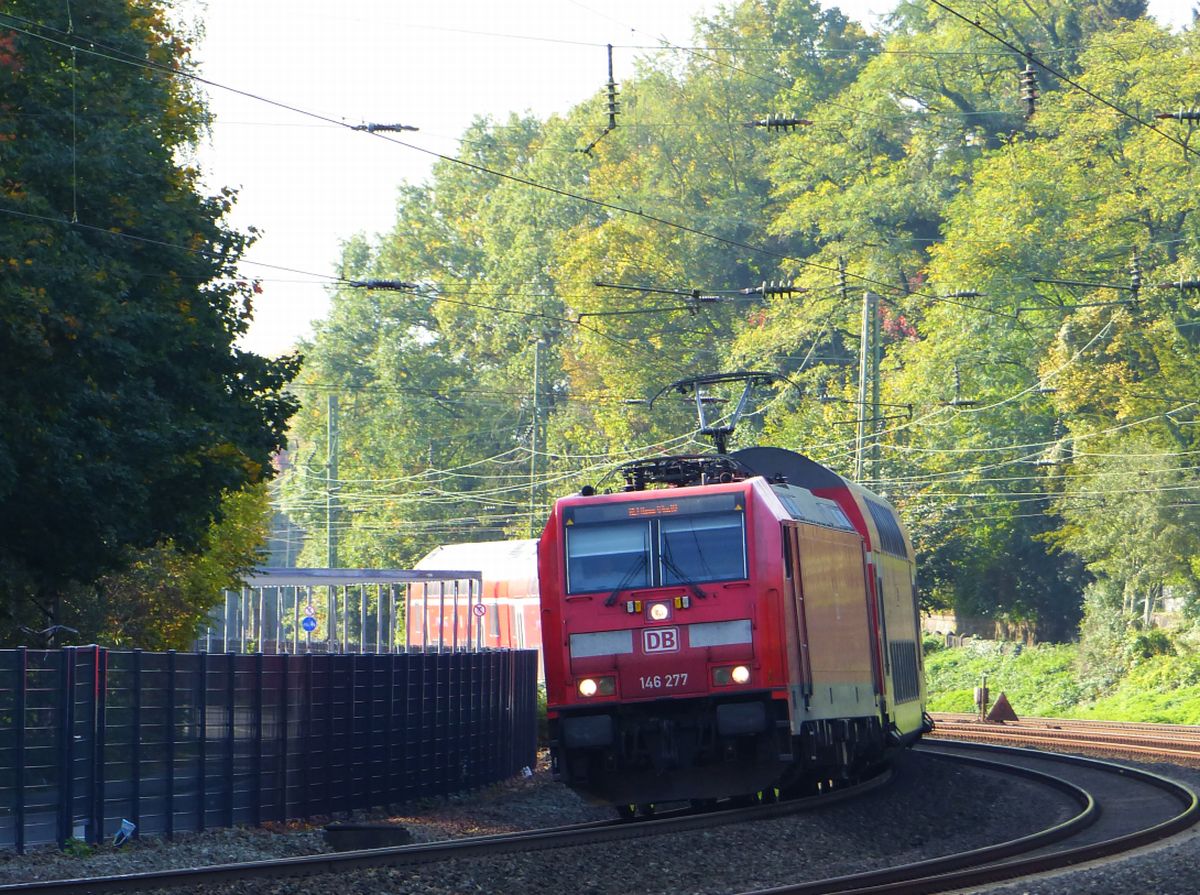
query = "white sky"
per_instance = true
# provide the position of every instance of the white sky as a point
(307, 186)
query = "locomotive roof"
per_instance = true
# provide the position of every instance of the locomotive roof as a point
(775, 464)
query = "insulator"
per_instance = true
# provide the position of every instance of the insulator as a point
(1181, 115)
(1135, 275)
(1181, 284)
(1029, 89)
(779, 122)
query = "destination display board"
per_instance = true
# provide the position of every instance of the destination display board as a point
(648, 509)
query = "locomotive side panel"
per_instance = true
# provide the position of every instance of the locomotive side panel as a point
(833, 606)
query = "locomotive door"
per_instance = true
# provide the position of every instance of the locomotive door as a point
(801, 673)
(831, 613)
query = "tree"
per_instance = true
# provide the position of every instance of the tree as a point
(163, 595)
(127, 411)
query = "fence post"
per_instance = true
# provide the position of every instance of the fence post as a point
(306, 711)
(284, 695)
(231, 726)
(202, 733)
(328, 750)
(352, 703)
(170, 732)
(362, 618)
(258, 737)
(388, 739)
(66, 741)
(99, 738)
(135, 776)
(19, 758)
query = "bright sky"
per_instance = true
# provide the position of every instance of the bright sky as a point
(308, 185)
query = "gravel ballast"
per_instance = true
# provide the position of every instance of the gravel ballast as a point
(933, 807)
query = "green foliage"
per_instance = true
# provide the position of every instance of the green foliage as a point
(1162, 687)
(1103, 639)
(127, 411)
(163, 597)
(1038, 680)
(931, 643)
(77, 848)
(1147, 644)
(543, 724)
(1042, 435)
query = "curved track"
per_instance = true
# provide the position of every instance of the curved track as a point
(1131, 808)
(1118, 809)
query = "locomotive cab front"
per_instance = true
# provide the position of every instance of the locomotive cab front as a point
(660, 685)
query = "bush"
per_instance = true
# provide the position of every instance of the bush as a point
(543, 724)
(1155, 642)
(1103, 640)
(932, 643)
(1038, 680)
(1041, 680)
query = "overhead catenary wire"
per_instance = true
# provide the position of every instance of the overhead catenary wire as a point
(780, 256)
(1066, 79)
(91, 47)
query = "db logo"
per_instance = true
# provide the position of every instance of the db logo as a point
(660, 640)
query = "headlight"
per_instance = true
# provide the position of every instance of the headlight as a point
(659, 612)
(731, 674)
(597, 686)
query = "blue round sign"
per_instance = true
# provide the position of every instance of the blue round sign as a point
(309, 624)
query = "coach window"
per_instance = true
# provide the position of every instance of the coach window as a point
(603, 557)
(711, 547)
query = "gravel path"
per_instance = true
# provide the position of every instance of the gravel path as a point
(956, 808)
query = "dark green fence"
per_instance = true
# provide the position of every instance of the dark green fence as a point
(183, 741)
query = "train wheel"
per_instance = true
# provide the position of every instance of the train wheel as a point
(647, 809)
(626, 812)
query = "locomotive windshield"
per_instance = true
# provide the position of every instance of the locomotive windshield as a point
(655, 543)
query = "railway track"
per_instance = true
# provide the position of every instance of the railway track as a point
(678, 821)
(1175, 743)
(1117, 809)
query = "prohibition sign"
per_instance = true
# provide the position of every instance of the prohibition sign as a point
(479, 609)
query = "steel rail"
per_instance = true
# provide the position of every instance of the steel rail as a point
(425, 853)
(1187, 730)
(987, 865)
(1179, 744)
(1056, 740)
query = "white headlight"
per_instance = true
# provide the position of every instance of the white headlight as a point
(587, 687)
(740, 674)
(659, 612)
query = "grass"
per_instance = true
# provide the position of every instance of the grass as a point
(1046, 680)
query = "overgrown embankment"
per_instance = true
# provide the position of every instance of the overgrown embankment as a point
(1160, 682)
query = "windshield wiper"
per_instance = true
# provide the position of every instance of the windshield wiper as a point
(678, 572)
(625, 579)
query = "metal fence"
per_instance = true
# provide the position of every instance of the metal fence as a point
(334, 610)
(185, 741)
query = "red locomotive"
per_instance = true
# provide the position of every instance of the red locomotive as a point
(751, 627)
